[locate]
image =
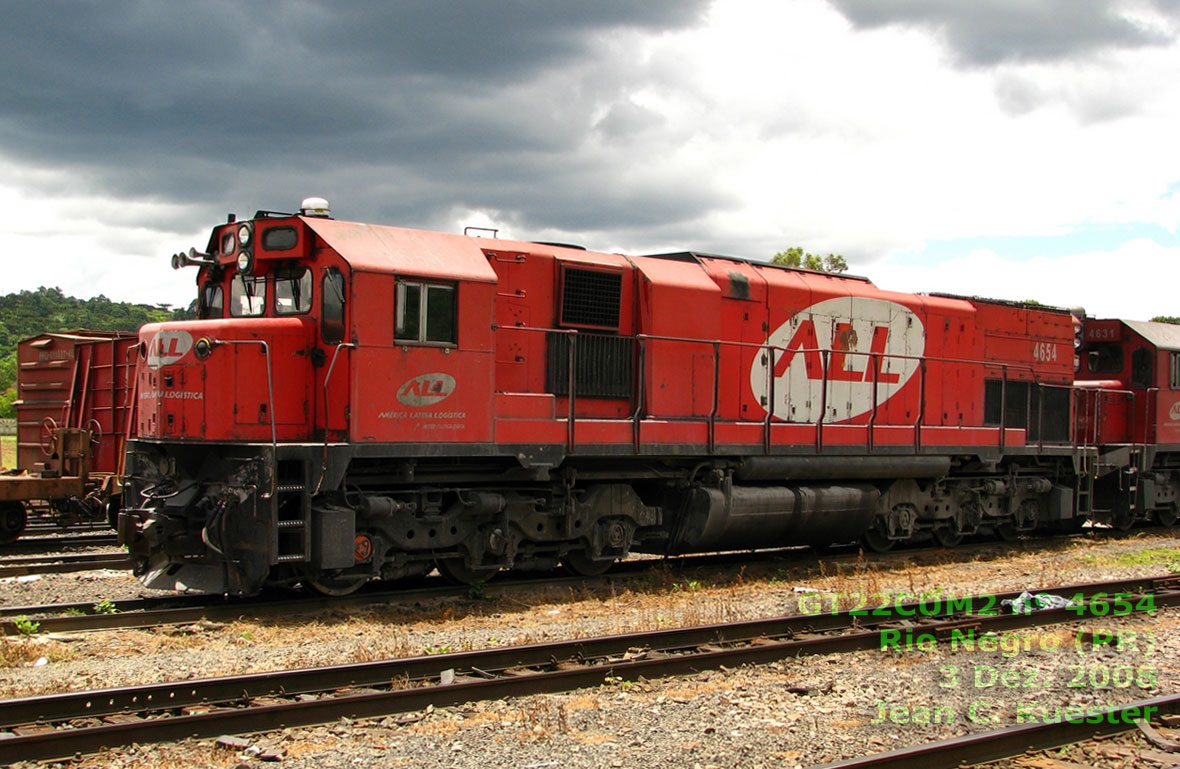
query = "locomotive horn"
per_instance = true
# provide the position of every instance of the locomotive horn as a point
(192, 257)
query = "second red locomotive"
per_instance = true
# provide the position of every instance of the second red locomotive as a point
(363, 401)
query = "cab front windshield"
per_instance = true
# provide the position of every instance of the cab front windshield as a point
(291, 288)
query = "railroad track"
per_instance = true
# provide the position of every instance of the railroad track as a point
(179, 609)
(1014, 740)
(16, 566)
(103, 538)
(53, 726)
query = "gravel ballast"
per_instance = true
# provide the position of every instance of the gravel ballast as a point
(796, 712)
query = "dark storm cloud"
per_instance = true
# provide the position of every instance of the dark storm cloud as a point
(999, 31)
(406, 109)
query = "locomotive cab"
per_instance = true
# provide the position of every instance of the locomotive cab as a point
(1128, 407)
(254, 376)
(278, 380)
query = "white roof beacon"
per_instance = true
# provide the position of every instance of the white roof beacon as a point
(315, 207)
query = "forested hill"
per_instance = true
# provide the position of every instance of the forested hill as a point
(29, 313)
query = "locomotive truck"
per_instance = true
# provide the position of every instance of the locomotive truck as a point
(360, 401)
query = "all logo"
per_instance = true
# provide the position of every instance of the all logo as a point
(425, 389)
(168, 347)
(870, 341)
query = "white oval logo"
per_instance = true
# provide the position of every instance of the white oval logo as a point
(1174, 412)
(863, 335)
(167, 347)
(426, 389)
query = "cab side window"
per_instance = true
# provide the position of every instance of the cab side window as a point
(425, 313)
(1106, 359)
(212, 301)
(332, 307)
(1142, 374)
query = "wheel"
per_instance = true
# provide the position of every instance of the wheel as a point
(1167, 516)
(456, 571)
(581, 565)
(877, 542)
(1122, 520)
(335, 585)
(946, 536)
(12, 521)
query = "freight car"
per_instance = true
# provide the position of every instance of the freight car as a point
(362, 401)
(74, 408)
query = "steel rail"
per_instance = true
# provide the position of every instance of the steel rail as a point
(64, 540)
(1014, 740)
(62, 564)
(181, 609)
(567, 665)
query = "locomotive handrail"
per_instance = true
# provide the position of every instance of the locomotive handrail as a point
(771, 351)
(1148, 402)
(1091, 432)
(716, 396)
(769, 407)
(825, 361)
(875, 364)
(572, 398)
(1003, 404)
(875, 360)
(636, 413)
(270, 405)
(328, 378)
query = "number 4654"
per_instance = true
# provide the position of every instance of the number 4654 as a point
(1045, 352)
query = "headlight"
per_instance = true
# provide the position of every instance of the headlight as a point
(245, 262)
(244, 235)
(203, 348)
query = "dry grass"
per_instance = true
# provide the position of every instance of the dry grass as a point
(8, 451)
(164, 756)
(19, 651)
(541, 719)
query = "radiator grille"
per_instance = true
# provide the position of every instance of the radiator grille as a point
(605, 366)
(1022, 407)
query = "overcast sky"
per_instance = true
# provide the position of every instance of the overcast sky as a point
(1018, 149)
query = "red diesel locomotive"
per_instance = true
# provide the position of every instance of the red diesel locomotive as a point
(363, 401)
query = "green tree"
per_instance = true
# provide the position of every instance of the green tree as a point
(797, 257)
(1167, 319)
(48, 310)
